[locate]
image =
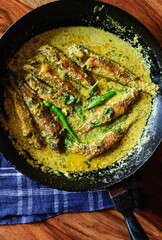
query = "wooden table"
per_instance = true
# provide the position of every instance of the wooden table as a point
(108, 224)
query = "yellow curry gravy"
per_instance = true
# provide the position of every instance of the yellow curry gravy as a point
(107, 45)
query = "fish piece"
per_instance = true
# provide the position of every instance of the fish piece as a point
(50, 87)
(43, 71)
(104, 66)
(108, 68)
(28, 127)
(109, 111)
(66, 68)
(47, 123)
(109, 141)
(46, 92)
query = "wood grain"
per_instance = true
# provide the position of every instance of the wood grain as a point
(36, 3)
(10, 11)
(108, 224)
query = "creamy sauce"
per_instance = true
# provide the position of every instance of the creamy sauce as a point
(107, 45)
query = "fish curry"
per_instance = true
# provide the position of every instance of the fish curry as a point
(76, 99)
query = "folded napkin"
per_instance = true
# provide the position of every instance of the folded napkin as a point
(23, 200)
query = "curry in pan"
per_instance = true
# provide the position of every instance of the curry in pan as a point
(76, 99)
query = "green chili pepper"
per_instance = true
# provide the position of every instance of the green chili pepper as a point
(62, 118)
(101, 99)
(47, 104)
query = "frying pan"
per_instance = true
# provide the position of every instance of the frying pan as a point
(96, 14)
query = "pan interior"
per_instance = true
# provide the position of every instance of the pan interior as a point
(115, 21)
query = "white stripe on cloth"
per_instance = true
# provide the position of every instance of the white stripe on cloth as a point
(91, 201)
(65, 206)
(25, 192)
(56, 201)
(19, 194)
(30, 197)
(8, 168)
(10, 174)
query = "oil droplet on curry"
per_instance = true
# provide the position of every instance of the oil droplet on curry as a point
(81, 101)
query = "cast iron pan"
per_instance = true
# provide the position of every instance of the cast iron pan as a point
(75, 13)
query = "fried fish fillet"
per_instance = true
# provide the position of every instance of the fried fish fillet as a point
(109, 140)
(104, 66)
(108, 68)
(47, 123)
(44, 72)
(67, 68)
(109, 111)
(48, 93)
(27, 125)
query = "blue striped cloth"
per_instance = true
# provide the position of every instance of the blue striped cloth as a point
(23, 200)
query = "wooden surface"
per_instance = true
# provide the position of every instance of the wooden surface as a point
(108, 224)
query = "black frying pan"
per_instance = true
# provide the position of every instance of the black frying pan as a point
(74, 13)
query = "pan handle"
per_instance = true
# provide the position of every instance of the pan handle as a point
(135, 229)
(123, 203)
